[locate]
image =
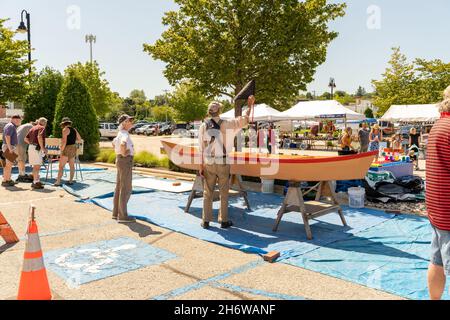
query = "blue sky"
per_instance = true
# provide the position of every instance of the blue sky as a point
(356, 57)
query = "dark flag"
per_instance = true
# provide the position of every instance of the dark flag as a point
(247, 91)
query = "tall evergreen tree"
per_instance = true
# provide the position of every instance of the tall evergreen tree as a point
(74, 101)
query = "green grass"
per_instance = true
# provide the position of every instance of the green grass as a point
(143, 159)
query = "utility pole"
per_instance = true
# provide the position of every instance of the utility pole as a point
(91, 39)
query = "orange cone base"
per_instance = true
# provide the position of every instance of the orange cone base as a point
(34, 286)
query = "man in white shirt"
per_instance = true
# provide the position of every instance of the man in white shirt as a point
(124, 149)
(216, 140)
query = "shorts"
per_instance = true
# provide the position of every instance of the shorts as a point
(440, 249)
(22, 151)
(70, 151)
(35, 157)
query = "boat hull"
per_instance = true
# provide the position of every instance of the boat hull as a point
(282, 167)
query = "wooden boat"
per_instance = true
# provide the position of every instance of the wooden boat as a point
(283, 167)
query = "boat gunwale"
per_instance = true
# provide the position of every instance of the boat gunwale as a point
(267, 159)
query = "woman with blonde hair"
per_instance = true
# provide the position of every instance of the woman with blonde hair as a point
(346, 140)
(375, 137)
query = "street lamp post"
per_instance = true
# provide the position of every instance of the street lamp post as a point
(91, 39)
(332, 86)
(26, 28)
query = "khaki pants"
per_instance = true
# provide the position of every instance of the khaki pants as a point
(123, 186)
(214, 172)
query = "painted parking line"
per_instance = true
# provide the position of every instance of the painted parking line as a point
(279, 296)
(206, 282)
(99, 260)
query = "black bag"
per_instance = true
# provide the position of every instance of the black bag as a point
(213, 128)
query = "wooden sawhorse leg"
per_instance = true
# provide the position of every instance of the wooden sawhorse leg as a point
(196, 188)
(237, 180)
(294, 202)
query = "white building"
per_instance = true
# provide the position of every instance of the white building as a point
(361, 105)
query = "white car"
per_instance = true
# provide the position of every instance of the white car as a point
(142, 130)
(108, 130)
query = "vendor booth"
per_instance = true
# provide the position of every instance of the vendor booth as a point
(419, 113)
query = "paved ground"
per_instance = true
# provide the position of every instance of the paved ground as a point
(200, 270)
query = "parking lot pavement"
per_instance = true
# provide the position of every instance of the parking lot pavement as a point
(188, 268)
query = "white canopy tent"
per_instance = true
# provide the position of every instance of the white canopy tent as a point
(412, 113)
(262, 112)
(326, 109)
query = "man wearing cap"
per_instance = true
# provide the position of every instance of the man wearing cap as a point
(36, 150)
(124, 149)
(9, 146)
(69, 140)
(216, 139)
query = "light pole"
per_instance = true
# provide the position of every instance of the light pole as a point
(332, 85)
(91, 39)
(26, 28)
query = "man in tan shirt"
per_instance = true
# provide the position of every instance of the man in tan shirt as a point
(216, 140)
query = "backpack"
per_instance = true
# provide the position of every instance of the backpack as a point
(212, 127)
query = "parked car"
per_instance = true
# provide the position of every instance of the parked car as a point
(150, 130)
(141, 130)
(137, 126)
(108, 130)
(165, 130)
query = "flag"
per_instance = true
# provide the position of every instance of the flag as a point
(247, 91)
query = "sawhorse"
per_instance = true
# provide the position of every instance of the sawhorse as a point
(294, 202)
(235, 180)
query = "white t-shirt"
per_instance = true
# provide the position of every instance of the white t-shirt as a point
(123, 137)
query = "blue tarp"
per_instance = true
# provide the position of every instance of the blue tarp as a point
(378, 250)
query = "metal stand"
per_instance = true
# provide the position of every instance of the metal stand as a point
(197, 191)
(294, 202)
(49, 167)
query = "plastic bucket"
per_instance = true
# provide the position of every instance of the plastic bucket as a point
(267, 186)
(356, 197)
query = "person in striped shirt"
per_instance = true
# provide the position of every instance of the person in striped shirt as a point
(438, 201)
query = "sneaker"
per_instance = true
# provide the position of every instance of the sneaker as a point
(37, 186)
(127, 220)
(205, 224)
(226, 225)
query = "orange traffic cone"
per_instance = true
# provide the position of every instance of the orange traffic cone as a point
(33, 281)
(6, 232)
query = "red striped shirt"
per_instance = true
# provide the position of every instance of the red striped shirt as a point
(438, 174)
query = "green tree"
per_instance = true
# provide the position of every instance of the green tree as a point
(41, 100)
(116, 108)
(418, 82)
(398, 83)
(361, 92)
(93, 78)
(13, 66)
(140, 104)
(220, 45)
(162, 113)
(74, 101)
(369, 113)
(189, 104)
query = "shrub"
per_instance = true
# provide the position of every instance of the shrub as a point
(74, 101)
(41, 100)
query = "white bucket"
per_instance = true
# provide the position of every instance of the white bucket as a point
(356, 197)
(267, 186)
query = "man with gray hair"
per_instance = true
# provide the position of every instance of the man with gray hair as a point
(36, 150)
(216, 139)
